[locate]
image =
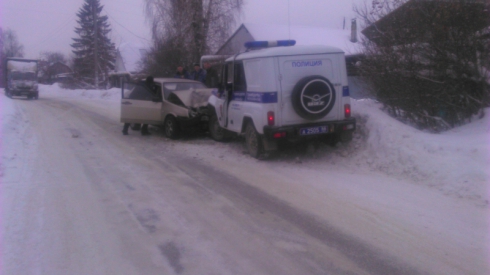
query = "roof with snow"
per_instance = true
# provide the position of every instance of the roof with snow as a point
(303, 35)
(286, 51)
(128, 58)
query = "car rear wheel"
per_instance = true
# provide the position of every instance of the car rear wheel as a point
(171, 127)
(253, 141)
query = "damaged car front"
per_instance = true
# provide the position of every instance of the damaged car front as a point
(185, 107)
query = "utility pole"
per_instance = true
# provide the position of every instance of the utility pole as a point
(96, 48)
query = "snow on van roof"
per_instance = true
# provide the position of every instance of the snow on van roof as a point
(306, 36)
(289, 50)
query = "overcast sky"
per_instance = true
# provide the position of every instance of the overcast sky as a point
(48, 25)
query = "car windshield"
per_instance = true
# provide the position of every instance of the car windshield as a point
(23, 76)
(170, 87)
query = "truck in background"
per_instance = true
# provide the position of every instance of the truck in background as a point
(21, 77)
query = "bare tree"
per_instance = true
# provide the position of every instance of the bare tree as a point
(53, 57)
(184, 30)
(11, 46)
(428, 61)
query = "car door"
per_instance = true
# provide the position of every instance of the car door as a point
(224, 95)
(140, 105)
(237, 104)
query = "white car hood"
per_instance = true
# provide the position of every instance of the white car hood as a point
(194, 98)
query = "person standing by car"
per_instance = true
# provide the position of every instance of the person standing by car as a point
(211, 76)
(150, 85)
(198, 74)
(181, 73)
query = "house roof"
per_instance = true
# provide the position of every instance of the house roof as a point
(303, 35)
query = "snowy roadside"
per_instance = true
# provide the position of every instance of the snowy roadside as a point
(386, 187)
(454, 162)
(13, 146)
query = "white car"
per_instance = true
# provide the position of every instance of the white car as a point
(179, 104)
(283, 93)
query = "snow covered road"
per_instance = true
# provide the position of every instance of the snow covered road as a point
(80, 198)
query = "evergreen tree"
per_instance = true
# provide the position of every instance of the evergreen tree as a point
(94, 52)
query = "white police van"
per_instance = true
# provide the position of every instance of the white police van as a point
(284, 92)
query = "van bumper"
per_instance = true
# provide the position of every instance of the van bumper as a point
(340, 128)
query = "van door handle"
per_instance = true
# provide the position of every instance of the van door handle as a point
(126, 103)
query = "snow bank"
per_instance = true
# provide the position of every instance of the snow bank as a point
(113, 94)
(455, 162)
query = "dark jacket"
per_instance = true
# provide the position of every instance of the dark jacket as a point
(184, 74)
(199, 75)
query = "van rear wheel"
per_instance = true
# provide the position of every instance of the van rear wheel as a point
(253, 141)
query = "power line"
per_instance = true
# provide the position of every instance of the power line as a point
(126, 28)
(62, 27)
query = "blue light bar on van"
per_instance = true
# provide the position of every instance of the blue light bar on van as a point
(266, 44)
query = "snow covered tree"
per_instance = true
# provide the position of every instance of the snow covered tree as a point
(184, 30)
(428, 61)
(10, 44)
(9, 47)
(95, 54)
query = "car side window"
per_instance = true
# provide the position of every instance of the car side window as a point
(158, 91)
(138, 92)
(172, 98)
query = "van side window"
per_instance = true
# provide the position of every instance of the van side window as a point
(240, 83)
(229, 73)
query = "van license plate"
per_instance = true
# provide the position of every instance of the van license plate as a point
(313, 130)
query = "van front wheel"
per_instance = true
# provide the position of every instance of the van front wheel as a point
(253, 141)
(215, 130)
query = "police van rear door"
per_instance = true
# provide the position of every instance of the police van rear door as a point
(295, 68)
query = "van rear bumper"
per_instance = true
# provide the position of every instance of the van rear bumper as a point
(306, 131)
